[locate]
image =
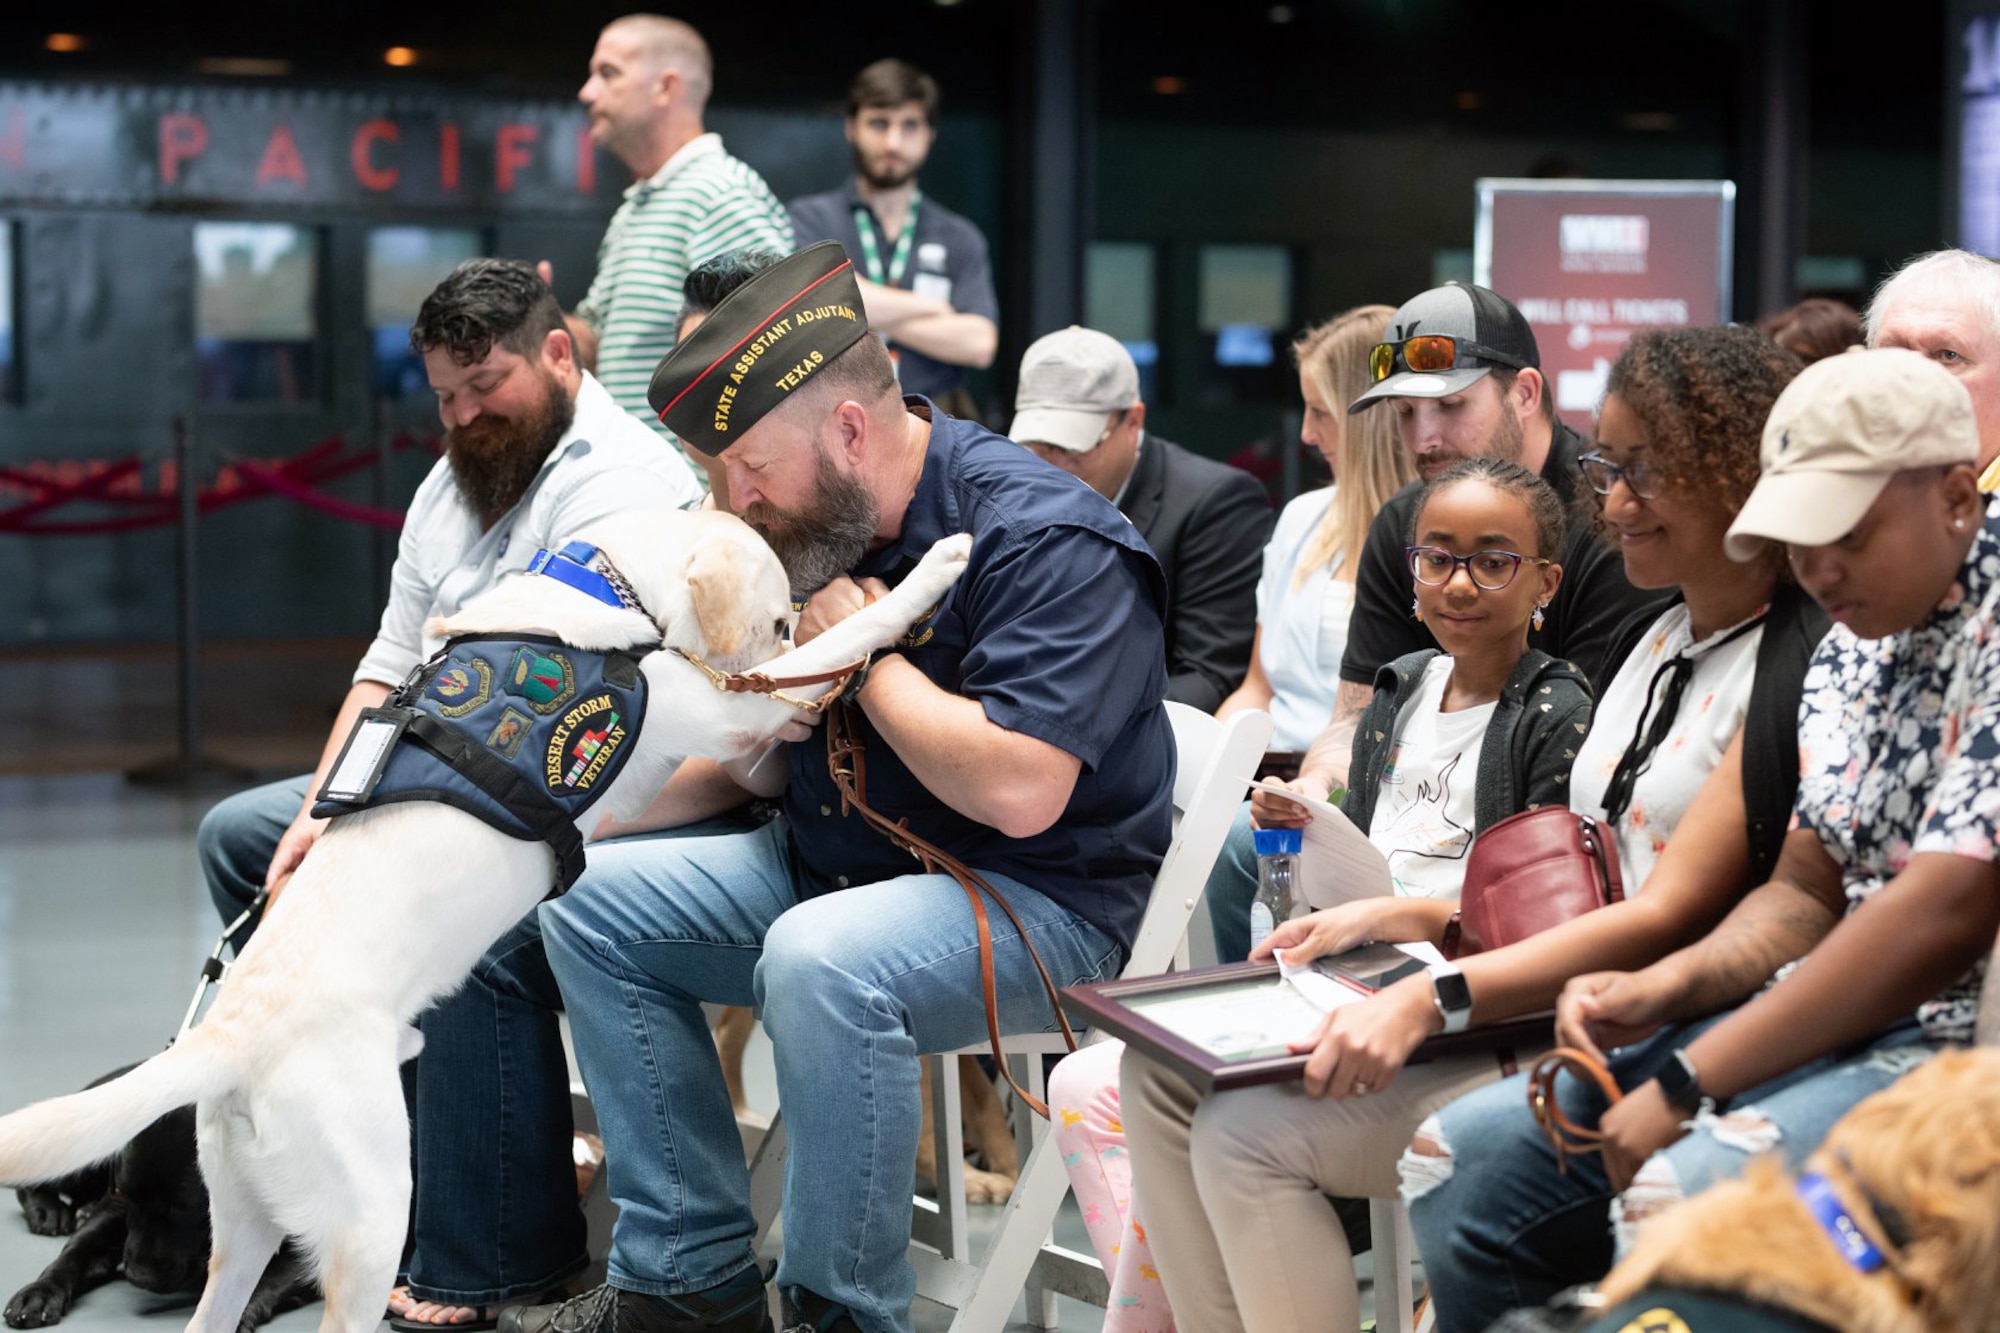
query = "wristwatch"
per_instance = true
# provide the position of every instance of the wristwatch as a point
(851, 692)
(1681, 1085)
(1452, 997)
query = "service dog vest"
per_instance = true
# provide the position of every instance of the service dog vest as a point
(523, 732)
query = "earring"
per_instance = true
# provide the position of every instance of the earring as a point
(1537, 620)
(1958, 525)
(1417, 610)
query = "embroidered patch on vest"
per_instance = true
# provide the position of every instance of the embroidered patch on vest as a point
(462, 687)
(1657, 1320)
(911, 638)
(508, 733)
(546, 680)
(583, 743)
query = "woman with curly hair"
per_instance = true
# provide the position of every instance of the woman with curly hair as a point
(1237, 1183)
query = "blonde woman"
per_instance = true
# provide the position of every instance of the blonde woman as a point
(1307, 590)
(1303, 601)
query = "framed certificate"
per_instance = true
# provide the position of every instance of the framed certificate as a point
(1236, 1025)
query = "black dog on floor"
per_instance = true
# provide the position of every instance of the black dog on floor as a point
(142, 1215)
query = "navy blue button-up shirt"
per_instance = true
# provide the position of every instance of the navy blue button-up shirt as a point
(1056, 629)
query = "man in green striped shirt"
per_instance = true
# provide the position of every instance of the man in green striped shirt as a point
(649, 84)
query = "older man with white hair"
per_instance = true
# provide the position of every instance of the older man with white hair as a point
(1946, 306)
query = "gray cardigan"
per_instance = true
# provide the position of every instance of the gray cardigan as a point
(1538, 724)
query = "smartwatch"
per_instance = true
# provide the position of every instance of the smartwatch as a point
(1452, 997)
(1681, 1085)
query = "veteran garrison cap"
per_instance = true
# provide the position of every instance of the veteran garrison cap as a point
(764, 341)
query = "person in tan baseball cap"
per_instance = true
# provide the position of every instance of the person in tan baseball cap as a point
(1841, 437)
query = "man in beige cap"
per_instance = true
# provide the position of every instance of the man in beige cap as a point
(1869, 483)
(1078, 406)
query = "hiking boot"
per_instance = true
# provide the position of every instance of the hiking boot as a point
(735, 1306)
(809, 1312)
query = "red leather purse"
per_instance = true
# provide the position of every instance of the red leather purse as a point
(1531, 871)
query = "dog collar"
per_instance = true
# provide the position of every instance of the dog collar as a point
(1816, 1193)
(573, 565)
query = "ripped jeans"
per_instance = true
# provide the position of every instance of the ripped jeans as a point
(1500, 1229)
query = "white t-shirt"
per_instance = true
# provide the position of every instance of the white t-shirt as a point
(1423, 820)
(1304, 626)
(1710, 714)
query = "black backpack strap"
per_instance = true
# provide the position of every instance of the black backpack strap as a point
(1792, 631)
(497, 779)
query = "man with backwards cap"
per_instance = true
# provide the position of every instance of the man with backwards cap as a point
(1078, 406)
(1020, 727)
(1869, 481)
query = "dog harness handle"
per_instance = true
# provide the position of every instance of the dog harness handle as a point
(847, 761)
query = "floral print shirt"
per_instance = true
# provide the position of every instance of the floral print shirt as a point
(1898, 741)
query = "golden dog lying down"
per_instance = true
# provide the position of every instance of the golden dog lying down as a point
(1916, 1167)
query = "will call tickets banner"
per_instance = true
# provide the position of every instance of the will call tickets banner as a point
(1591, 262)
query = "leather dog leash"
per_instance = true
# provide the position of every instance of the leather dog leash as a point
(756, 682)
(847, 761)
(1565, 1136)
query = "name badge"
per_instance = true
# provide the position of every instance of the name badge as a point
(932, 284)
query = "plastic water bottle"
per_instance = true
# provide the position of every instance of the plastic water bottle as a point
(1277, 879)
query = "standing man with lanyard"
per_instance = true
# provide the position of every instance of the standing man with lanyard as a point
(925, 275)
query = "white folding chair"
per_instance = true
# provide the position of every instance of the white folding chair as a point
(1215, 760)
(1395, 1285)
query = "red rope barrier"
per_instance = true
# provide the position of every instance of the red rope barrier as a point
(298, 479)
(347, 511)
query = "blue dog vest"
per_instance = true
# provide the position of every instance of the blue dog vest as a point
(524, 732)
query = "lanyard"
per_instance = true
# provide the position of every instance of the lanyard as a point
(1676, 671)
(871, 254)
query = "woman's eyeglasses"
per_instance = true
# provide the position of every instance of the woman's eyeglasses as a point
(1433, 566)
(1603, 474)
(1431, 354)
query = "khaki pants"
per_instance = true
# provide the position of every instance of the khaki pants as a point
(1236, 1188)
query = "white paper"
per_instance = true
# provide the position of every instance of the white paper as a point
(1320, 990)
(364, 750)
(932, 284)
(1338, 864)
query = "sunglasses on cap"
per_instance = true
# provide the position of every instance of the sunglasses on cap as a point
(1431, 354)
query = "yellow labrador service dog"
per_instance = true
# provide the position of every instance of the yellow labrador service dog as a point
(1894, 1227)
(294, 1072)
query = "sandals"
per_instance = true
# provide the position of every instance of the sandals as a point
(483, 1316)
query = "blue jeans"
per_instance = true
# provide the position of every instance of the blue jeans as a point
(853, 986)
(494, 1211)
(1232, 887)
(235, 842)
(1504, 1230)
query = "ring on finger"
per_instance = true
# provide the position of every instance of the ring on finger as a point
(1360, 1088)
